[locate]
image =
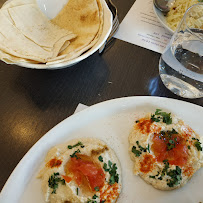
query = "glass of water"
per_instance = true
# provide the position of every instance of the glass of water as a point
(181, 64)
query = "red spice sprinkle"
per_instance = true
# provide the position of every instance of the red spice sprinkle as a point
(147, 164)
(144, 125)
(54, 163)
(110, 193)
(189, 171)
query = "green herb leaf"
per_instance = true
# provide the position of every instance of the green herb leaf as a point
(197, 144)
(74, 154)
(77, 191)
(109, 163)
(96, 188)
(105, 167)
(100, 158)
(114, 176)
(76, 145)
(94, 196)
(188, 147)
(166, 117)
(148, 148)
(54, 180)
(137, 121)
(152, 177)
(175, 176)
(155, 119)
(136, 152)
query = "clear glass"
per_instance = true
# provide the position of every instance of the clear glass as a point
(181, 64)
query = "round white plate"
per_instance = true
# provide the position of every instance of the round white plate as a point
(162, 19)
(106, 31)
(111, 122)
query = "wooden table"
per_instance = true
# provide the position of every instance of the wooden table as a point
(34, 101)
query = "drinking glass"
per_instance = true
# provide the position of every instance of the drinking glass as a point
(181, 64)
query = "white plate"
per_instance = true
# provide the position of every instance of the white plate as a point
(106, 31)
(162, 19)
(111, 122)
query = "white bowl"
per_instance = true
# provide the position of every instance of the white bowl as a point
(162, 19)
(107, 26)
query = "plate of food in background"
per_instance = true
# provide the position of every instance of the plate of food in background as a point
(177, 10)
(32, 37)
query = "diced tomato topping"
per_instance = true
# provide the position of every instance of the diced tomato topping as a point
(67, 178)
(176, 155)
(54, 163)
(86, 171)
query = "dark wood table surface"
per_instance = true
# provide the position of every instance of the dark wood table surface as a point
(34, 101)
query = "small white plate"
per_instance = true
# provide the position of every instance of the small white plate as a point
(111, 122)
(162, 19)
(107, 26)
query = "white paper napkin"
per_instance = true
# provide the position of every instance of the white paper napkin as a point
(141, 27)
(80, 107)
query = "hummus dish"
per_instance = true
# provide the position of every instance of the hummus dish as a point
(83, 170)
(166, 152)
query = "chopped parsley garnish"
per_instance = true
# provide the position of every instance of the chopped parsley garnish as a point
(100, 158)
(53, 182)
(136, 152)
(188, 147)
(166, 167)
(159, 114)
(195, 139)
(200, 0)
(170, 145)
(148, 148)
(137, 121)
(141, 149)
(175, 175)
(77, 191)
(169, 138)
(94, 196)
(74, 154)
(103, 201)
(96, 188)
(112, 169)
(93, 199)
(76, 145)
(197, 144)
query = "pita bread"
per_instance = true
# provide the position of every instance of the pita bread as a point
(75, 53)
(82, 17)
(12, 41)
(37, 27)
(10, 4)
(9, 59)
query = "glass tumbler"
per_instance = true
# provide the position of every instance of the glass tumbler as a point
(181, 64)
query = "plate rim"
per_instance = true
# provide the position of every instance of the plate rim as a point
(158, 13)
(5, 190)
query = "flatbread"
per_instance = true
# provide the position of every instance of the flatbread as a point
(83, 18)
(10, 59)
(37, 27)
(12, 41)
(75, 53)
(12, 3)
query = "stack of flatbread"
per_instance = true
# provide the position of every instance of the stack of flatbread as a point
(27, 35)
